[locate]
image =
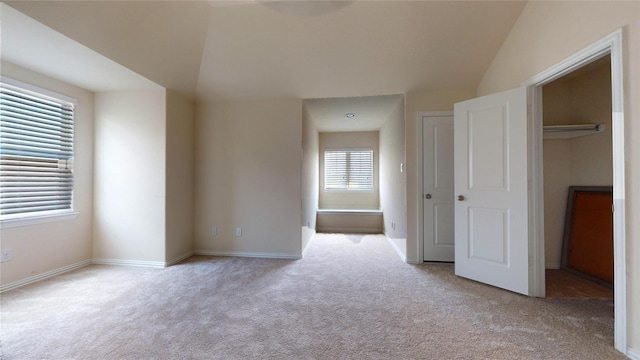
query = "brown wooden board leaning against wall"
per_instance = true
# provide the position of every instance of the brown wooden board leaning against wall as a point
(588, 233)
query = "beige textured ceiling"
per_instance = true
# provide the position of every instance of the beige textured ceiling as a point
(364, 49)
(371, 112)
(282, 49)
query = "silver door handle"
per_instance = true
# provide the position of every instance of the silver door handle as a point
(460, 198)
(428, 196)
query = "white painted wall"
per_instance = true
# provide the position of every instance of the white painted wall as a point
(557, 172)
(336, 199)
(557, 179)
(582, 161)
(41, 248)
(310, 176)
(590, 100)
(179, 177)
(129, 179)
(545, 34)
(249, 175)
(392, 181)
(414, 102)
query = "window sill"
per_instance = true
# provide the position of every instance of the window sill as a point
(34, 220)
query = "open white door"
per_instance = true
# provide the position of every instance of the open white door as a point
(491, 207)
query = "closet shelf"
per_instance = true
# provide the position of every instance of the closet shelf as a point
(570, 131)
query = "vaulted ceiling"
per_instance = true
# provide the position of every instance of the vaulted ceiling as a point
(250, 50)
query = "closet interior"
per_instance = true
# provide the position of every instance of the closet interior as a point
(577, 149)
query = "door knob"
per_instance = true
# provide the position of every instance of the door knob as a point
(460, 198)
(428, 196)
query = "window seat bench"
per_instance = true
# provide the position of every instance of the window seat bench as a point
(366, 221)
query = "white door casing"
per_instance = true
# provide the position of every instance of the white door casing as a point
(611, 44)
(491, 207)
(437, 194)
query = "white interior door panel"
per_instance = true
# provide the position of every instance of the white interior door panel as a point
(491, 208)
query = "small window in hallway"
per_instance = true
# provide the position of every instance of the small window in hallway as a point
(348, 169)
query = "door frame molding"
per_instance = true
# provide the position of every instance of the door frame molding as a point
(419, 189)
(612, 45)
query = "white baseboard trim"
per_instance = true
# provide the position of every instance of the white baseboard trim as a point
(312, 233)
(179, 258)
(43, 276)
(632, 354)
(396, 248)
(552, 266)
(154, 264)
(266, 255)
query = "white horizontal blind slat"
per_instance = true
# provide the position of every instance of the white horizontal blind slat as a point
(335, 164)
(348, 169)
(36, 146)
(361, 170)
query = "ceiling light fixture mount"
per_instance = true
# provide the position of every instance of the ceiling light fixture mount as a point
(350, 115)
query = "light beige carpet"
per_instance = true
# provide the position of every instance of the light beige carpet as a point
(565, 285)
(350, 297)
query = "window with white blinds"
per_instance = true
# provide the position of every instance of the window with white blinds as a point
(36, 152)
(348, 169)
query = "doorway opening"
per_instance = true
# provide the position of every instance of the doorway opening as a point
(610, 46)
(353, 168)
(578, 152)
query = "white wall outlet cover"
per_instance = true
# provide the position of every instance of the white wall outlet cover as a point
(214, 231)
(7, 255)
(238, 231)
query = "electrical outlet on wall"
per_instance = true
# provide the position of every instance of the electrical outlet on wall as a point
(214, 231)
(7, 255)
(238, 231)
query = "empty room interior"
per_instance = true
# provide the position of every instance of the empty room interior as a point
(319, 179)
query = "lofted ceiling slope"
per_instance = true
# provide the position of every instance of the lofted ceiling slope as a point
(32, 45)
(220, 50)
(160, 40)
(364, 49)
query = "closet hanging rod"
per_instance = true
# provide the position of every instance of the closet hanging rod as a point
(581, 127)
